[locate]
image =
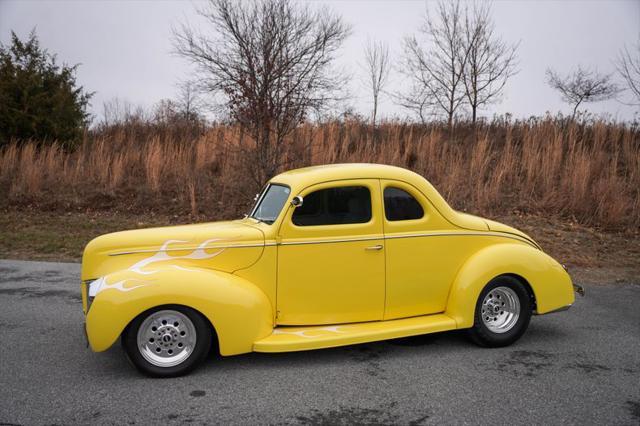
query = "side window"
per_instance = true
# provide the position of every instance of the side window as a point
(400, 205)
(334, 206)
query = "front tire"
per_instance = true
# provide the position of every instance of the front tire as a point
(502, 314)
(167, 341)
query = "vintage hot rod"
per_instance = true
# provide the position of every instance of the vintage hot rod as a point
(329, 255)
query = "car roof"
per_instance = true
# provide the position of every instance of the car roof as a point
(301, 178)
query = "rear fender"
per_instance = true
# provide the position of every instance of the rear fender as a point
(238, 310)
(550, 283)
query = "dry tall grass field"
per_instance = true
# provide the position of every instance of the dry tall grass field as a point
(585, 172)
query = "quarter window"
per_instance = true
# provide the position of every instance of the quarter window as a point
(400, 205)
(334, 206)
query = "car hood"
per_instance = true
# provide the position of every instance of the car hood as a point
(225, 246)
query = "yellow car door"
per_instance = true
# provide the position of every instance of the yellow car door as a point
(331, 255)
(422, 257)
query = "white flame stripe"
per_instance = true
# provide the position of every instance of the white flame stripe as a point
(198, 253)
(120, 285)
(101, 284)
(301, 333)
(184, 269)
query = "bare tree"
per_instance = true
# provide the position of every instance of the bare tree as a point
(166, 112)
(120, 111)
(439, 68)
(628, 66)
(416, 100)
(582, 85)
(189, 102)
(489, 60)
(270, 61)
(376, 55)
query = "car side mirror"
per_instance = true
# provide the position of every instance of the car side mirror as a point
(297, 201)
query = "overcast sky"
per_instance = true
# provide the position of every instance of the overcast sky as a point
(125, 46)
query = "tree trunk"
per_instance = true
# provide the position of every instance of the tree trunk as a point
(450, 113)
(375, 112)
(575, 110)
(474, 109)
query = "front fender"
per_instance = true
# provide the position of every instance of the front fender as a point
(238, 310)
(550, 283)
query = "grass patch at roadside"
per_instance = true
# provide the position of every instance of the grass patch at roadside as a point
(62, 237)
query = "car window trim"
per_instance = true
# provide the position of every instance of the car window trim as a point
(384, 206)
(262, 195)
(359, 185)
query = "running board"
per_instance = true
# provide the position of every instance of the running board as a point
(288, 339)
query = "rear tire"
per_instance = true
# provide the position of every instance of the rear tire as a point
(502, 314)
(167, 341)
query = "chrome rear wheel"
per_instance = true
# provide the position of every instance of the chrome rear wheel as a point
(500, 309)
(502, 314)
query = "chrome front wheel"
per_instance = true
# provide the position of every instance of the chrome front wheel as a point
(167, 341)
(166, 338)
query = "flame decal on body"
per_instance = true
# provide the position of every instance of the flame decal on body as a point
(101, 284)
(301, 333)
(161, 255)
(198, 254)
(182, 268)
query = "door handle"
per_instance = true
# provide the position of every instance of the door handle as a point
(376, 247)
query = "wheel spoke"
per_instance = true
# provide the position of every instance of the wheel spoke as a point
(166, 338)
(500, 309)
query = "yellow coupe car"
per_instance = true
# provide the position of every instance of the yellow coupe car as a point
(329, 256)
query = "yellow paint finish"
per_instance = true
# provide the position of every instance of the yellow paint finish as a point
(431, 221)
(224, 243)
(420, 271)
(83, 291)
(337, 280)
(287, 339)
(330, 283)
(550, 283)
(263, 275)
(300, 179)
(237, 309)
(246, 276)
(508, 230)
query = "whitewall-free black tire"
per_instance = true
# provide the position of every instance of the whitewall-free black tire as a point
(167, 341)
(502, 312)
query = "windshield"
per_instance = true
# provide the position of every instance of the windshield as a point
(270, 203)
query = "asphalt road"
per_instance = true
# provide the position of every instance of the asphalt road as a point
(575, 367)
